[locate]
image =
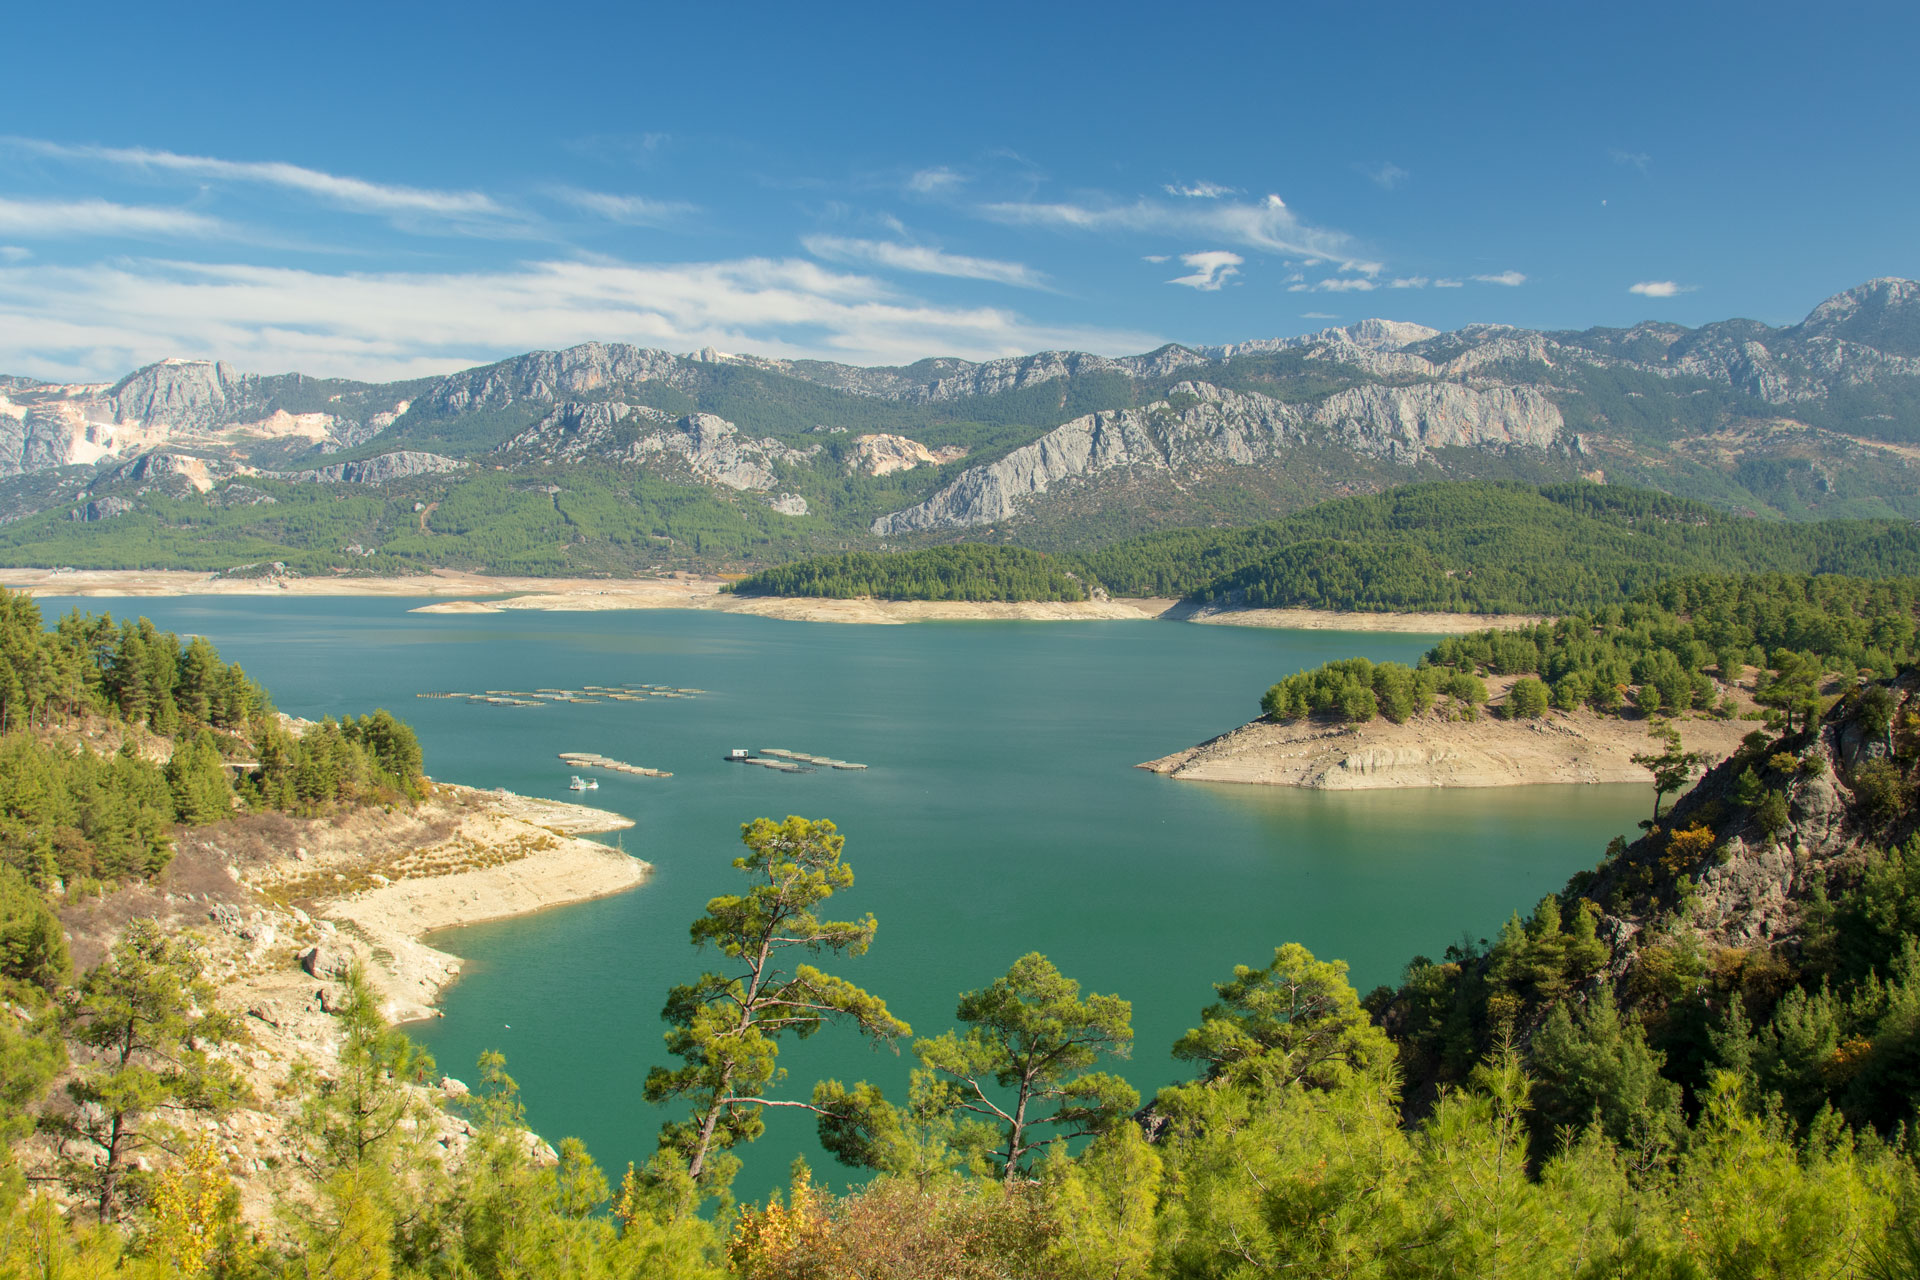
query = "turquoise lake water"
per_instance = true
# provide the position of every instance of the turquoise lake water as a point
(1001, 815)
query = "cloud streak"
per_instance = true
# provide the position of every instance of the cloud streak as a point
(1388, 176)
(925, 261)
(1199, 191)
(927, 182)
(63, 219)
(1209, 270)
(345, 192)
(1338, 284)
(1659, 288)
(1510, 279)
(632, 211)
(1267, 226)
(100, 320)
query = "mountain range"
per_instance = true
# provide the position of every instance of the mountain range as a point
(606, 457)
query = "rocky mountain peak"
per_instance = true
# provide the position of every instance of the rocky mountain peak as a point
(552, 376)
(1389, 335)
(189, 392)
(1883, 314)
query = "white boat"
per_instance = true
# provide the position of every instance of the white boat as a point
(576, 783)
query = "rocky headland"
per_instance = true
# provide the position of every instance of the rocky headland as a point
(285, 906)
(1430, 750)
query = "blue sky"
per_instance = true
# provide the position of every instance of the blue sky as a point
(384, 191)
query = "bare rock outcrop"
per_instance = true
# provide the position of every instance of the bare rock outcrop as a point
(554, 376)
(1200, 427)
(882, 455)
(709, 447)
(381, 469)
(1432, 750)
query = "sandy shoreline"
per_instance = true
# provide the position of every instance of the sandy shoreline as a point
(506, 856)
(1451, 624)
(1559, 747)
(472, 593)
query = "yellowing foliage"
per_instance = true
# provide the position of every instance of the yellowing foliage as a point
(768, 1242)
(1686, 848)
(193, 1212)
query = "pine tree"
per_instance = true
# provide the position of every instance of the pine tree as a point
(146, 1018)
(726, 1026)
(197, 780)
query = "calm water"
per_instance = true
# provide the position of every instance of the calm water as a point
(1001, 815)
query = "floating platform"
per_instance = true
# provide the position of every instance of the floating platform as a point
(593, 760)
(786, 761)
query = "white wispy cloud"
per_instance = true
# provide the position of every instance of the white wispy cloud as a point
(1336, 284)
(932, 181)
(346, 192)
(1199, 190)
(1659, 288)
(1209, 270)
(632, 211)
(1264, 225)
(1318, 315)
(99, 320)
(14, 253)
(1636, 159)
(1409, 282)
(619, 148)
(95, 217)
(933, 262)
(1511, 279)
(1153, 257)
(1387, 176)
(1447, 284)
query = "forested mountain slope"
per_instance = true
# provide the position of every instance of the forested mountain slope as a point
(1767, 926)
(1471, 547)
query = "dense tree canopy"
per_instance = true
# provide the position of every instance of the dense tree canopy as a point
(1490, 548)
(182, 717)
(970, 572)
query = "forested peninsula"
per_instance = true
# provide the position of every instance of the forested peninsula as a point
(1689, 664)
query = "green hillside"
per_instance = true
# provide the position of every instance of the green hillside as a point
(1490, 548)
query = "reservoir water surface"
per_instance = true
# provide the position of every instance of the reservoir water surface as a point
(1001, 814)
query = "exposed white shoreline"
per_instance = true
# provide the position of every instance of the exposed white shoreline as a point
(480, 593)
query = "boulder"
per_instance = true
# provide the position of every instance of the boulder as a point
(326, 962)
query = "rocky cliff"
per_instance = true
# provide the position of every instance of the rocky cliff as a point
(707, 447)
(551, 376)
(190, 404)
(1201, 427)
(380, 469)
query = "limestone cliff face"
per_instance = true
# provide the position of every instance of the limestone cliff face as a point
(382, 469)
(1200, 427)
(554, 376)
(714, 450)
(186, 394)
(573, 430)
(709, 447)
(1405, 422)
